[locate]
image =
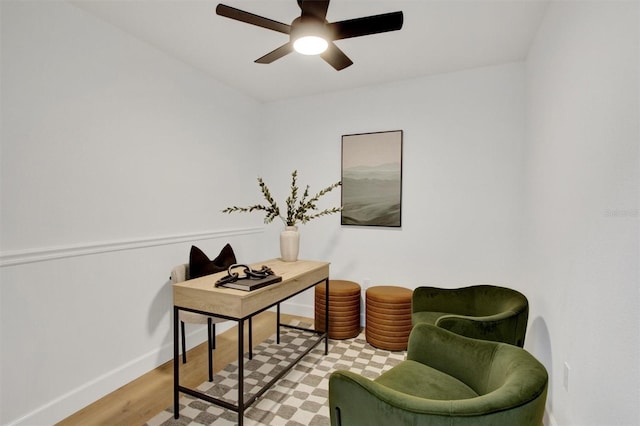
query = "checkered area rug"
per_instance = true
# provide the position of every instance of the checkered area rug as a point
(300, 398)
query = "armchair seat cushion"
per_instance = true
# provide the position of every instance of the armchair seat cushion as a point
(423, 381)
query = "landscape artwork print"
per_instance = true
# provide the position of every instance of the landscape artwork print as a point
(372, 179)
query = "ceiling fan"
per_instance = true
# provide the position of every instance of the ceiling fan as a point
(311, 34)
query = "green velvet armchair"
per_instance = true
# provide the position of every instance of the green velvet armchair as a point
(483, 311)
(447, 379)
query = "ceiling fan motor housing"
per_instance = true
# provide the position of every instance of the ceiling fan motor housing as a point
(307, 26)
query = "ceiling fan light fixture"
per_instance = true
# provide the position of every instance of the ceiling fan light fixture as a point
(309, 36)
(310, 45)
(312, 34)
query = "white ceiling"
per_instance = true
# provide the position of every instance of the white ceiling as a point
(438, 36)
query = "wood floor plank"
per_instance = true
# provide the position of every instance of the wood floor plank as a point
(150, 394)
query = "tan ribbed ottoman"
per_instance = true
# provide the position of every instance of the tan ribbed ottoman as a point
(388, 317)
(344, 309)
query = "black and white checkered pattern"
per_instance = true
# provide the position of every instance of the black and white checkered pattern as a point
(300, 398)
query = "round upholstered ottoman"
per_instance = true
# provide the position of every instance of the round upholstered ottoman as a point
(388, 318)
(344, 309)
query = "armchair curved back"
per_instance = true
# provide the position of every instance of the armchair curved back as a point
(482, 311)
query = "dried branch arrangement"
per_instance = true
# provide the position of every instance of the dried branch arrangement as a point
(298, 210)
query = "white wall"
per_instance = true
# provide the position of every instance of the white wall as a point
(462, 162)
(115, 158)
(581, 222)
(127, 131)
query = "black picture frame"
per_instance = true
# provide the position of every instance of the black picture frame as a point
(372, 179)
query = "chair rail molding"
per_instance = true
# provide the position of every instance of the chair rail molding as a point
(20, 257)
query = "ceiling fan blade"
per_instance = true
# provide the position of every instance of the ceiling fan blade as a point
(314, 8)
(368, 25)
(336, 57)
(250, 18)
(275, 54)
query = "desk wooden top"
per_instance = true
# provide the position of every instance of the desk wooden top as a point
(202, 295)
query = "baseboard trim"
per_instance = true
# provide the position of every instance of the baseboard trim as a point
(82, 396)
(549, 420)
(69, 403)
(21, 257)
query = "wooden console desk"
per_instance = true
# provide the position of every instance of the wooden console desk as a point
(201, 296)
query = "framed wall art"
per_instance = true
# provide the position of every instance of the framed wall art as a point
(372, 179)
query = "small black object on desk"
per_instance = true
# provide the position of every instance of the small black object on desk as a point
(252, 279)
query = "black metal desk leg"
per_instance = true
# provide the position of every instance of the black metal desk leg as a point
(250, 338)
(176, 364)
(278, 324)
(210, 338)
(240, 372)
(326, 316)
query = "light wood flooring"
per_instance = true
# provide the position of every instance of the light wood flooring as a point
(150, 394)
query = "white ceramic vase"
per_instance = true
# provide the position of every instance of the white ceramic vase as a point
(289, 243)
